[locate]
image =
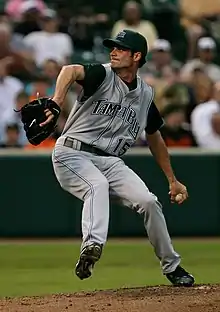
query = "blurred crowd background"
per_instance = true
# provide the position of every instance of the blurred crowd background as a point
(37, 38)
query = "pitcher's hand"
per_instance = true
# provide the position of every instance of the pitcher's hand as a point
(177, 188)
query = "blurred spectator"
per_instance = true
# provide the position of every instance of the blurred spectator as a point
(22, 98)
(132, 20)
(14, 52)
(30, 18)
(15, 8)
(40, 85)
(4, 18)
(65, 14)
(49, 43)
(176, 131)
(82, 29)
(176, 91)
(12, 137)
(206, 55)
(46, 81)
(9, 88)
(161, 58)
(201, 85)
(205, 121)
(195, 19)
(51, 69)
(87, 27)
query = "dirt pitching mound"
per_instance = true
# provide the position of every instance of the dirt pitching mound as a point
(200, 298)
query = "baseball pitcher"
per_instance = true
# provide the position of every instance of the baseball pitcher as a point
(112, 111)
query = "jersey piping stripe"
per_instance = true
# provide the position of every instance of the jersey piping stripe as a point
(152, 97)
(91, 217)
(111, 121)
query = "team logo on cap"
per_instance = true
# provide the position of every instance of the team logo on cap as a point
(121, 34)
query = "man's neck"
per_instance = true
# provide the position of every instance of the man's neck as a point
(50, 31)
(206, 62)
(133, 23)
(126, 75)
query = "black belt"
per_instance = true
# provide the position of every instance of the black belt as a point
(81, 146)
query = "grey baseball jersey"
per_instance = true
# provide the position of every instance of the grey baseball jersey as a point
(110, 115)
(113, 117)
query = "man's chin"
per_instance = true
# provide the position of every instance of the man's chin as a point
(115, 64)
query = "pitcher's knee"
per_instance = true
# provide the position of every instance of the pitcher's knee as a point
(147, 203)
(99, 188)
(101, 185)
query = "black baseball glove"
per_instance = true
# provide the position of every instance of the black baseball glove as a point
(33, 114)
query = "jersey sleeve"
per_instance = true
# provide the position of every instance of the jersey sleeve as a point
(154, 120)
(94, 76)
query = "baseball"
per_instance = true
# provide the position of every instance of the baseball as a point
(178, 197)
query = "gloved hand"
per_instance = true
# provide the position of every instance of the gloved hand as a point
(34, 113)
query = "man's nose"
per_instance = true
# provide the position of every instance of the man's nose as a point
(114, 51)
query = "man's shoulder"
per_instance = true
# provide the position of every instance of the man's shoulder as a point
(205, 108)
(63, 36)
(193, 62)
(208, 105)
(119, 23)
(214, 66)
(33, 35)
(144, 84)
(13, 81)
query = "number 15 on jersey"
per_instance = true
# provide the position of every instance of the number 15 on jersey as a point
(121, 147)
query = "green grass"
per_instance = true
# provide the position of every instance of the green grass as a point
(44, 268)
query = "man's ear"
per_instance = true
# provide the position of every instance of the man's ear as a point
(137, 56)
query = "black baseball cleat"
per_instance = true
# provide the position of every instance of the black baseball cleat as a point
(88, 257)
(180, 277)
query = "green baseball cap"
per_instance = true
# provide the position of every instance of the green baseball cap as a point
(131, 40)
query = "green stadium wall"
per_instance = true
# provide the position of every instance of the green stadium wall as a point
(34, 205)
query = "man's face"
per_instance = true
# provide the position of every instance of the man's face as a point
(121, 58)
(131, 15)
(131, 12)
(51, 69)
(161, 57)
(50, 24)
(175, 119)
(12, 135)
(206, 55)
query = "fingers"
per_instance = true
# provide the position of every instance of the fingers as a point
(183, 197)
(49, 116)
(172, 197)
(47, 121)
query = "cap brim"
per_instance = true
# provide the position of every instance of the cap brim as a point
(111, 43)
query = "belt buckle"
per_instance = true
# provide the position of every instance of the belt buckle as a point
(68, 142)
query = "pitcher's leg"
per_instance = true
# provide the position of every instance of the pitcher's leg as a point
(77, 174)
(127, 185)
(133, 192)
(156, 228)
